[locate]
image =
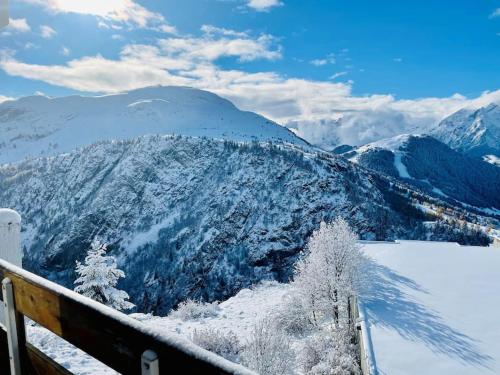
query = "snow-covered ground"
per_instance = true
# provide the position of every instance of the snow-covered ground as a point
(432, 308)
(394, 145)
(238, 315)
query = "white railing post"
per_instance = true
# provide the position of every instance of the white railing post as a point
(11, 326)
(11, 251)
(149, 363)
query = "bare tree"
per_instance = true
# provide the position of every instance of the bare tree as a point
(268, 351)
(327, 271)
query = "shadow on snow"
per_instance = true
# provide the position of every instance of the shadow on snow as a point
(388, 305)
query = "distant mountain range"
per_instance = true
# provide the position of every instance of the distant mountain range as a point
(429, 164)
(473, 132)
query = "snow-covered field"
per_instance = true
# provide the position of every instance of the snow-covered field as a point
(432, 308)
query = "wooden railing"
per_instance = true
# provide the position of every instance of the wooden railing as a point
(111, 337)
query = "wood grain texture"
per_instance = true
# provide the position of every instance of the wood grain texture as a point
(117, 343)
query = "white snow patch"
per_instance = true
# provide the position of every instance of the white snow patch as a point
(151, 235)
(400, 167)
(438, 191)
(492, 159)
(237, 314)
(391, 144)
(38, 126)
(432, 308)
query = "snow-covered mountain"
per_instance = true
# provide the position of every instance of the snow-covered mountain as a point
(432, 166)
(473, 132)
(193, 217)
(227, 201)
(40, 126)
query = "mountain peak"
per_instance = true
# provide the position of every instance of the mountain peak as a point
(474, 132)
(40, 126)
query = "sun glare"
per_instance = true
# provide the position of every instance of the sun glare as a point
(93, 7)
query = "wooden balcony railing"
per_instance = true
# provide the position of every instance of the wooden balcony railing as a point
(113, 338)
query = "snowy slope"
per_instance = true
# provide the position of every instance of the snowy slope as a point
(237, 314)
(395, 145)
(37, 125)
(432, 308)
(474, 132)
(434, 167)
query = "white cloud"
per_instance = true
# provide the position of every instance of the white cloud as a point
(496, 13)
(263, 5)
(216, 43)
(4, 98)
(30, 45)
(323, 112)
(47, 32)
(319, 62)
(64, 51)
(109, 11)
(397, 59)
(18, 25)
(212, 49)
(337, 75)
(168, 29)
(330, 59)
(213, 30)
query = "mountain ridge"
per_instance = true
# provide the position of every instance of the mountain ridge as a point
(195, 217)
(475, 132)
(429, 164)
(40, 126)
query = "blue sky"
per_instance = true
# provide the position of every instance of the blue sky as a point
(302, 63)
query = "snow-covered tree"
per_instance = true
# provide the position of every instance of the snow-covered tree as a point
(327, 353)
(268, 351)
(98, 277)
(325, 276)
(225, 344)
(327, 271)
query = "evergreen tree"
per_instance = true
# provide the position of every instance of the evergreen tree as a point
(98, 277)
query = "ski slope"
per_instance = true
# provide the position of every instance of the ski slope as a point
(432, 308)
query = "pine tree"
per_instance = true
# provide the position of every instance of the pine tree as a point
(98, 276)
